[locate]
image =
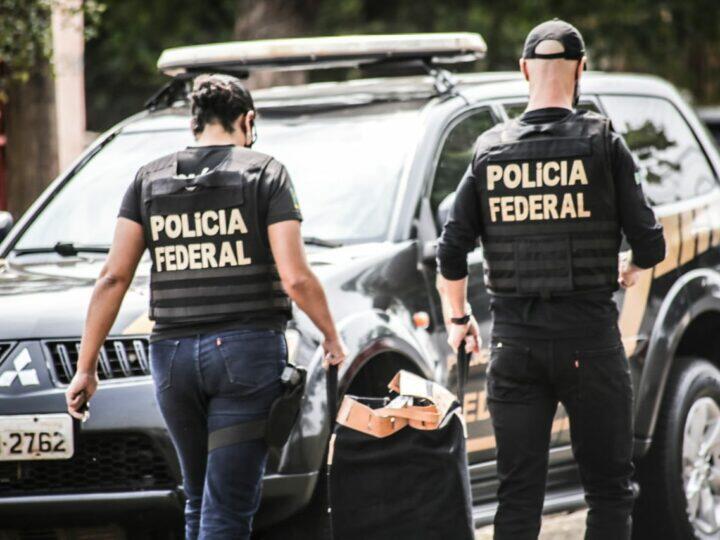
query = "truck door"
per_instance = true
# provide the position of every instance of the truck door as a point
(454, 155)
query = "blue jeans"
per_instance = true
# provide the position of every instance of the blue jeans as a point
(204, 383)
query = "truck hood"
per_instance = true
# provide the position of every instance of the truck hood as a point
(48, 297)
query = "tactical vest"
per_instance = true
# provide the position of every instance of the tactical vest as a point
(550, 223)
(210, 260)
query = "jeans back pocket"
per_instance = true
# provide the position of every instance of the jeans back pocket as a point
(253, 359)
(162, 358)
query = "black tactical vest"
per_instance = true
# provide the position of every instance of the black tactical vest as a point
(210, 259)
(550, 224)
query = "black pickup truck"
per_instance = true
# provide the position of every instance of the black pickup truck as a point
(372, 160)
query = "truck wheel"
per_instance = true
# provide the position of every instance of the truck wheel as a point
(680, 476)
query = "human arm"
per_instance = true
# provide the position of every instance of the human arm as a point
(302, 285)
(288, 249)
(458, 238)
(641, 228)
(115, 277)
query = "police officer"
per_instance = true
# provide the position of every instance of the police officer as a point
(222, 225)
(549, 194)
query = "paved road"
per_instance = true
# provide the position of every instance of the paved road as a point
(555, 527)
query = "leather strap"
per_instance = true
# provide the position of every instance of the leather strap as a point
(246, 431)
(384, 422)
(425, 415)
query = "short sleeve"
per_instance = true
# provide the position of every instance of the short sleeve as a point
(130, 205)
(283, 203)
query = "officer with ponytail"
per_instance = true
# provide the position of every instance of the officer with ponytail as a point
(222, 225)
(550, 194)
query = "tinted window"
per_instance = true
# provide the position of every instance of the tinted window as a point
(457, 153)
(516, 109)
(671, 161)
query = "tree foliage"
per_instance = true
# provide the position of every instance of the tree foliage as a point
(26, 39)
(675, 39)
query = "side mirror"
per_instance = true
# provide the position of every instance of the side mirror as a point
(444, 209)
(6, 223)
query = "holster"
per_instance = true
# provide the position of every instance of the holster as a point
(278, 425)
(285, 409)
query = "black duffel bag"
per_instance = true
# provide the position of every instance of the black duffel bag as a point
(398, 468)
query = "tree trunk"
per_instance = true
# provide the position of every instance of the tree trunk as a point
(31, 149)
(265, 19)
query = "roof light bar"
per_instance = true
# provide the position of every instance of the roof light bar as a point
(322, 52)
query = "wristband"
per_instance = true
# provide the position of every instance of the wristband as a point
(461, 320)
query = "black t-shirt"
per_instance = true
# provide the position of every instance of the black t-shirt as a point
(574, 316)
(276, 195)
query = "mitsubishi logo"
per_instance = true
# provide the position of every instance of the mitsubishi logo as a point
(27, 377)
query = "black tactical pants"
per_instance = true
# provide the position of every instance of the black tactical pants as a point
(591, 378)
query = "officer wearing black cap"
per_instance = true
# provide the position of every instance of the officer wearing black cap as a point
(550, 195)
(222, 225)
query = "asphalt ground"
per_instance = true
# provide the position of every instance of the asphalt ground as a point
(555, 527)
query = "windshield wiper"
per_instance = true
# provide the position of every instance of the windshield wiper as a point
(315, 241)
(66, 249)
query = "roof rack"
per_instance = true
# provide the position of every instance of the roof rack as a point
(242, 57)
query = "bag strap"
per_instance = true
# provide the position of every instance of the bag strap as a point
(428, 415)
(331, 382)
(331, 379)
(463, 366)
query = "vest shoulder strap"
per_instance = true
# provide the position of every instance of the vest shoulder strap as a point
(164, 166)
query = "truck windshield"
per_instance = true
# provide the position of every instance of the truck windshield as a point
(345, 165)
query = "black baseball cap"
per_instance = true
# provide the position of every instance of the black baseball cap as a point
(555, 30)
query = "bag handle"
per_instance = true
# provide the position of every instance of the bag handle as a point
(331, 379)
(428, 415)
(463, 367)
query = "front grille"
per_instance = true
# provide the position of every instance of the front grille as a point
(102, 462)
(118, 358)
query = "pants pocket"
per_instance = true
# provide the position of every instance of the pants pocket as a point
(603, 415)
(162, 358)
(603, 371)
(253, 359)
(508, 375)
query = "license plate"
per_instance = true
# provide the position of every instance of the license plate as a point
(36, 436)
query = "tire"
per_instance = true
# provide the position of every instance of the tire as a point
(676, 466)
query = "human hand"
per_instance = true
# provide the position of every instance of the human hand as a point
(627, 272)
(335, 352)
(81, 389)
(468, 332)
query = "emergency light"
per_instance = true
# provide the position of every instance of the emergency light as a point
(323, 52)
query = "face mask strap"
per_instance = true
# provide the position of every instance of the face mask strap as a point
(253, 137)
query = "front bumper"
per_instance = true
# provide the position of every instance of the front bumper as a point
(91, 508)
(283, 495)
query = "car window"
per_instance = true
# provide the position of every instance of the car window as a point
(457, 153)
(84, 211)
(514, 110)
(345, 165)
(671, 161)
